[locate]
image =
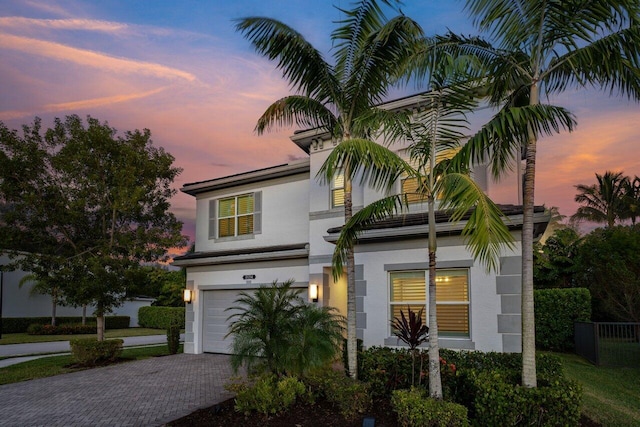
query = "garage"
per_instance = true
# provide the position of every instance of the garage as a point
(215, 325)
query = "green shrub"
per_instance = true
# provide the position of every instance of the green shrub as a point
(173, 338)
(556, 312)
(63, 329)
(498, 400)
(160, 317)
(415, 409)
(19, 325)
(90, 351)
(386, 369)
(349, 396)
(269, 395)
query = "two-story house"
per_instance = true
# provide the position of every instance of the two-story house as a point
(280, 223)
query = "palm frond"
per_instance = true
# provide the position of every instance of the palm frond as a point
(301, 64)
(297, 110)
(377, 166)
(499, 139)
(611, 62)
(485, 232)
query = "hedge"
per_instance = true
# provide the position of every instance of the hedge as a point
(90, 351)
(556, 311)
(160, 317)
(18, 325)
(63, 329)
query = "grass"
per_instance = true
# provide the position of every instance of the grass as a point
(611, 395)
(56, 365)
(112, 333)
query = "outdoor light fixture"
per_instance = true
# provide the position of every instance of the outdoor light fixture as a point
(187, 296)
(313, 292)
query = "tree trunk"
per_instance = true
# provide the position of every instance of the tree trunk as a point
(100, 324)
(54, 307)
(352, 341)
(84, 314)
(529, 377)
(435, 380)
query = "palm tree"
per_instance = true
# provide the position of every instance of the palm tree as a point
(439, 129)
(547, 46)
(632, 198)
(604, 202)
(338, 98)
(273, 328)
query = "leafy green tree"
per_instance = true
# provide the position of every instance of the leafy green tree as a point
(544, 47)
(338, 97)
(554, 261)
(604, 202)
(94, 205)
(274, 329)
(440, 129)
(608, 264)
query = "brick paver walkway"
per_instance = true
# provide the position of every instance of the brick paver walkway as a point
(148, 392)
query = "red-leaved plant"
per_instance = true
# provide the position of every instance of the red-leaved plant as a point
(410, 330)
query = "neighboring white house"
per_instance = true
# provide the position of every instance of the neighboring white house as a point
(20, 301)
(280, 223)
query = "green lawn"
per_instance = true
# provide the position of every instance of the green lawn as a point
(113, 333)
(611, 395)
(55, 365)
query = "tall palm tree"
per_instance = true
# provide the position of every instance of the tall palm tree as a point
(545, 47)
(604, 202)
(632, 198)
(439, 129)
(338, 97)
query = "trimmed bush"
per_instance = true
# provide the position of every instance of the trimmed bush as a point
(414, 408)
(499, 401)
(90, 351)
(173, 338)
(386, 369)
(349, 396)
(269, 395)
(556, 312)
(161, 317)
(64, 329)
(19, 325)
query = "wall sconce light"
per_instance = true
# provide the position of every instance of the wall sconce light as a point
(187, 296)
(313, 292)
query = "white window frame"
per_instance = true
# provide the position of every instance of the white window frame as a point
(214, 216)
(333, 187)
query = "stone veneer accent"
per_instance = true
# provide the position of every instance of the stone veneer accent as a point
(189, 318)
(509, 287)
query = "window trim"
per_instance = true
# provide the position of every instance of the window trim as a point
(425, 272)
(334, 188)
(214, 217)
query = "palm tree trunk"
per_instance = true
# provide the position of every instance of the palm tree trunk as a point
(352, 342)
(435, 380)
(529, 377)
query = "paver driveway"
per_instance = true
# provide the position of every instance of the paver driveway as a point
(148, 392)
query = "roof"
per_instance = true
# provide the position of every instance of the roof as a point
(292, 251)
(259, 175)
(414, 225)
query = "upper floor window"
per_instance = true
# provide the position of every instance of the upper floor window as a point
(235, 216)
(337, 190)
(452, 298)
(410, 189)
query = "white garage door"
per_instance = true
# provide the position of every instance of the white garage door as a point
(215, 325)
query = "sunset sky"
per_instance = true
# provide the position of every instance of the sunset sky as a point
(179, 69)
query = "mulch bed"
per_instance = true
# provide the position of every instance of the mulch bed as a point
(322, 414)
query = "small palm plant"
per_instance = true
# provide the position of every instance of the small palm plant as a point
(275, 331)
(410, 330)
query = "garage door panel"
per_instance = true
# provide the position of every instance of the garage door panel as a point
(215, 323)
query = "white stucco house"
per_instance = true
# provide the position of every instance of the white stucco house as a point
(280, 223)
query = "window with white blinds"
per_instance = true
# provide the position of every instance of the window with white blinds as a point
(409, 288)
(337, 191)
(235, 216)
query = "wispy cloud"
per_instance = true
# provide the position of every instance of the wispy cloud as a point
(89, 58)
(19, 22)
(82, 104)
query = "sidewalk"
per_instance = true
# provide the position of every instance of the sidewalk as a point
(37, 350)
